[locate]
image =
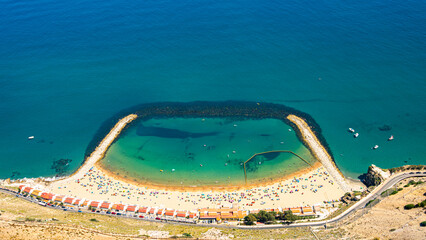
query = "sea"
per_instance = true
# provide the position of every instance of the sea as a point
(67, 66)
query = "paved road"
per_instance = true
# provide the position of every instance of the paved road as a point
(361, 204)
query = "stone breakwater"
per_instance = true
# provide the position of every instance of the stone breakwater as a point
(227, 109)
(319, 151)
(100, 151)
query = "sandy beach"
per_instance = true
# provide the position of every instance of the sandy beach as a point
(311, 188)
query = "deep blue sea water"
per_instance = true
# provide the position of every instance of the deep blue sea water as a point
(66, 66)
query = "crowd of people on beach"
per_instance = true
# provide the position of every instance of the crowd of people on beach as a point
(100, 186)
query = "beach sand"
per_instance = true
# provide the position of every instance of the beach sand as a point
(310, 188)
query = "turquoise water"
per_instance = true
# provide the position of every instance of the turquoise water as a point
(65, 67)
(197, 152)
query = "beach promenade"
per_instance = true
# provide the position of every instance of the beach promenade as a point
(320, 152)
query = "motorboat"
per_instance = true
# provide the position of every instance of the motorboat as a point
(356, 135)
(375, 147)
(30, 137)
(351, 130)
(391, 138)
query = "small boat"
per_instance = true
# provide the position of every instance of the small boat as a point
(391, 138)
(173, 170)
(30, 137)
(289, 129)
(356, 135)
(234, 151)
(235, 125)
(351, 130)
(161, 170)
(375, 147)
(201, 165)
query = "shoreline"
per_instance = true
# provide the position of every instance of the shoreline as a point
(213, 188)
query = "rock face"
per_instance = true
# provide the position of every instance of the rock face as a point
(374, 176)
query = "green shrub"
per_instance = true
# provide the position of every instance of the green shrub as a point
(94, 220)
(188, 235)
(423, 224)
(409, 206)
(250, 219)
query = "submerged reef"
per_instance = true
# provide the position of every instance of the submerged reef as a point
(235, 110)
(61, 166)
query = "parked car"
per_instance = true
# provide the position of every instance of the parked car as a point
(140, 216)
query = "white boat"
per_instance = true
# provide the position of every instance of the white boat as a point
(356, 135)
(351, 130)
(375, 147)
(391, 138)
(30, 137)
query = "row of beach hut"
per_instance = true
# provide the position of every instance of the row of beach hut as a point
(204, 214)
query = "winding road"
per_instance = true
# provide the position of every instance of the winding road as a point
(392, 180)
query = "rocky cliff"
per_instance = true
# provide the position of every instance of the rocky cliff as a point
(374, 176)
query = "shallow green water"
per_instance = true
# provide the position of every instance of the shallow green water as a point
(197, 152)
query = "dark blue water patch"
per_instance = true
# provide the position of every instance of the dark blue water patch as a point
(169, 132)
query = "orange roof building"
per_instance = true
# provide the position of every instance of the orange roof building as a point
(35, 192)
(105, 205)
(152, 211)
(160, 212)
(119, 207)
(27, 189)
(143, 210)
(69, 200)
(47, 196)
(85, 203)
(94, 204)
(59, 198)
(77, 201)
(131, 208)
(170, 213)
(181, 214)
(296, 210)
